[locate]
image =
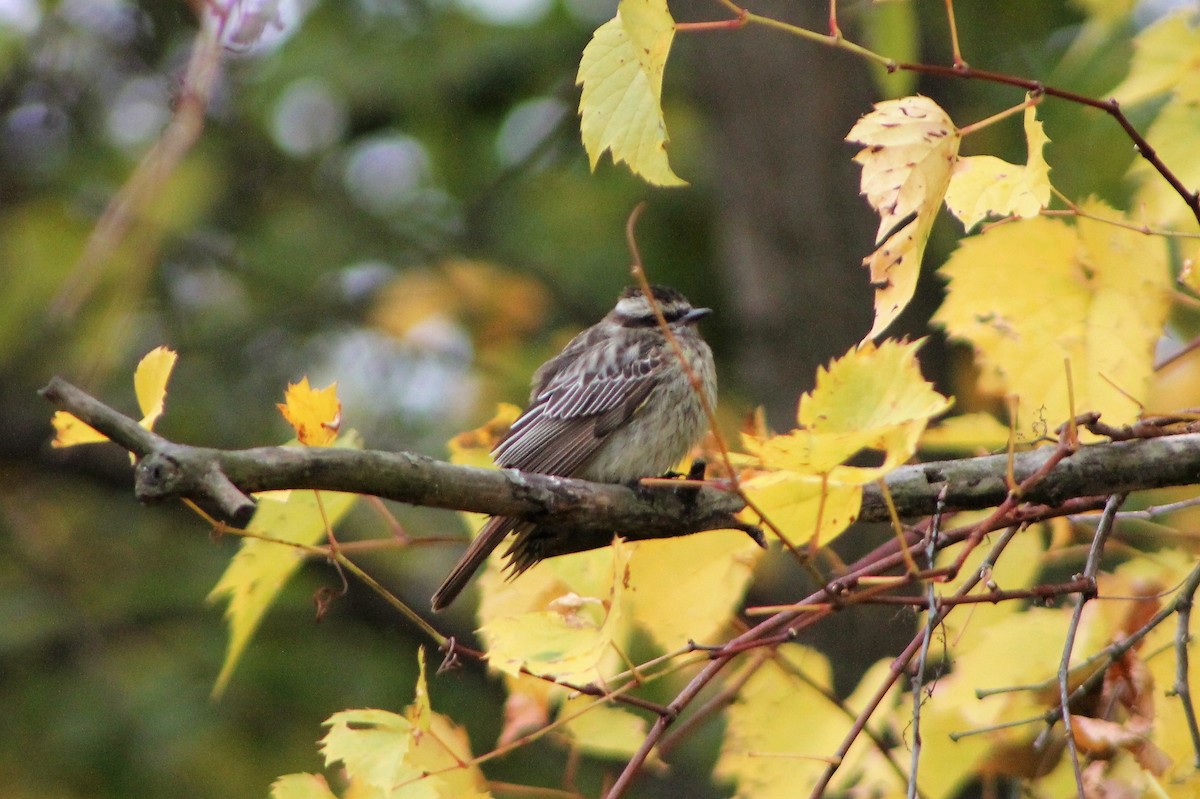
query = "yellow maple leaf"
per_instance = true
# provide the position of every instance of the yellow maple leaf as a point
(315, 414)
(984, 185)
(621, 104)
(688, 588)
(911, 147)
(1034, 294)
(149, 384)
(388, 754)
(572, 639)
(873, 398)
(261, 567)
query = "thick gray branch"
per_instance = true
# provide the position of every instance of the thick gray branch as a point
(1100, 469)
(591, 511)
(594, 511)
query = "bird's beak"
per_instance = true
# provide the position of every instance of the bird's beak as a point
(695, 315)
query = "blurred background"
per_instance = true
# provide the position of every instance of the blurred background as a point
(392, 194)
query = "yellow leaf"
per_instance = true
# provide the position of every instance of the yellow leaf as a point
(984, 185)
(601, 729)
(621, 73)
(911, 147)
(970, 432)
(801, 508)
(570, 640)
(873, 398)
(474, 447)
(1034, 293)
(385, 754)
(781, 727)
(1173, 134)
(444, 752)
(150, 383)
(867, 769)
(301, 786)
(69, 431)
(689, 588)
(316, 414)
(1018, 569)
(1166, 58)
(987, 661)
(373, 745)
(420, 712)
(261, 568)
(874, 389)
(441, 748)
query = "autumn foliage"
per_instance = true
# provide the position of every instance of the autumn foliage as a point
(1033, 662)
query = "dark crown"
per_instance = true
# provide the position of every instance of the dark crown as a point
(665, 295)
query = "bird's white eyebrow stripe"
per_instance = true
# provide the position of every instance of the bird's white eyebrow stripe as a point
(630, 305)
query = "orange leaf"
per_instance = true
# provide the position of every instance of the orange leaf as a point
(315, 414)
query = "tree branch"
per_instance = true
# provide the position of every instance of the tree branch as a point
(593, 511)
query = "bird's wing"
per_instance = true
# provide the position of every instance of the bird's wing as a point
(575, 409)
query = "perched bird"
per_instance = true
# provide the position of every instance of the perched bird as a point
(614, 406)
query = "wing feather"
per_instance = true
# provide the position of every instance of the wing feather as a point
(577, 403)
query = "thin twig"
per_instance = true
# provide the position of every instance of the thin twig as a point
(1089, 572)
(717, 703)
(900, 663)
(918, 687)
(638, 270)
(1182, 687)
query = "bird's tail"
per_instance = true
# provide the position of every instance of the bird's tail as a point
(488, 539)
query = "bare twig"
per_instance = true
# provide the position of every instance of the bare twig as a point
(1182, 688)
(918, 679)
(1089, 572)
(901, 663)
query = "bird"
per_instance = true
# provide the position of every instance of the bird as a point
(614, 406)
